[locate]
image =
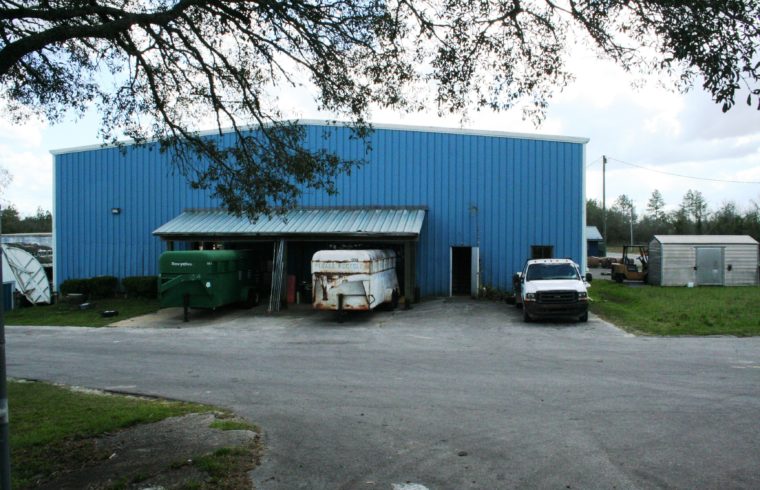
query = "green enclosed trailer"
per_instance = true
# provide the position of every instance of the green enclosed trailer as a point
(208, 278)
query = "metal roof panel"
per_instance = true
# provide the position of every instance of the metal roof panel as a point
(707, 239)
(377, 126)
(592, 233)
(325, 221)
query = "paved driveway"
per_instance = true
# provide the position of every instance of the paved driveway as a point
(449, 395)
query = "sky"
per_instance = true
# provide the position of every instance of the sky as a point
(665, 132)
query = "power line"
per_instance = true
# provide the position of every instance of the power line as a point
(684, 176)
(594, 162)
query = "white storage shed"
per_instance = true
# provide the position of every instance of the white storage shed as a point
(704, 260)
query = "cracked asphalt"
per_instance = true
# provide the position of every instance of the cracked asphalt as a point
(449, 395)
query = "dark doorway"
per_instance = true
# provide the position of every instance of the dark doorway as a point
(541, 252)
(461, 269)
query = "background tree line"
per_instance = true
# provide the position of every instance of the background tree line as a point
(692, 217)
(12, 222)
(10, 219)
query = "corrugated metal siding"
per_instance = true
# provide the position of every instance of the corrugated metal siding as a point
(91, 240)
(743, 260)
(498, 193)
(678, 262)
(678, 265)
(655, 263)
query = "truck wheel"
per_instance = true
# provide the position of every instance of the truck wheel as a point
(584, 317)
(526, 316)
(394, 300)
(619, 277)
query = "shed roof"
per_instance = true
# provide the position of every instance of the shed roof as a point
(310, 222)
(592, 233)
(706, 239)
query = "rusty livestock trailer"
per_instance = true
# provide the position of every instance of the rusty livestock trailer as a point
(354, 280)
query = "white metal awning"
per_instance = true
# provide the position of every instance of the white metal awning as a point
(388, 223)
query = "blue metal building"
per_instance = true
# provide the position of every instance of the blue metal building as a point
(594, 241)
(483, 201)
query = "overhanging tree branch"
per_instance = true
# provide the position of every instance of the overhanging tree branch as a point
(174, 64)
(118, 21)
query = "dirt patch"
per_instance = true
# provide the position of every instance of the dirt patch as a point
(174, 318)
(178, 452)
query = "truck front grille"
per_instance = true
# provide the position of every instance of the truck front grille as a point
(557, 297)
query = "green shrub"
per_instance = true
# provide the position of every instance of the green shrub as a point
(493, 293)
(102, 287)
(75, 286)
(141, 286)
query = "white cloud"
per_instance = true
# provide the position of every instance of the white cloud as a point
(651, 126)
(22, 154)
(26, 135)
(32, 179)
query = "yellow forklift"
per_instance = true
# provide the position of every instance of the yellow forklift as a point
(632, 267)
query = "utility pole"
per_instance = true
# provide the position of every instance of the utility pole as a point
(631, 223)
(5, 443)
(604, 202)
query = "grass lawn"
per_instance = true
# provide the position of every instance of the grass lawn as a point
(653, 310)
(45, 438)
(66, 315)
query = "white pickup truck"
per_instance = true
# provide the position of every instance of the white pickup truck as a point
(552, 288)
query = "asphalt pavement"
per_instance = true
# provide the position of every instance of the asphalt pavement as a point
(449, 395)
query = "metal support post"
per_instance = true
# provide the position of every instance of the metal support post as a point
(631, 224)
(408, 275)
(5, 443)
(604, 202)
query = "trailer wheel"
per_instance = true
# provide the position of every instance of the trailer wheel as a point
(252, 299)
(394, 299)
(340, 313)
(185, 307)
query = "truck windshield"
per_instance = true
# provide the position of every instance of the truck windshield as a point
(547, 272)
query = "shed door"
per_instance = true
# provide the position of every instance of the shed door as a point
(709, 266)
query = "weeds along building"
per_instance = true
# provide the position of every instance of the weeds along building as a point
(462, 209)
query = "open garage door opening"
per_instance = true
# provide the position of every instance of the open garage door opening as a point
(294, 276)
(300, 254)
(288, 243)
